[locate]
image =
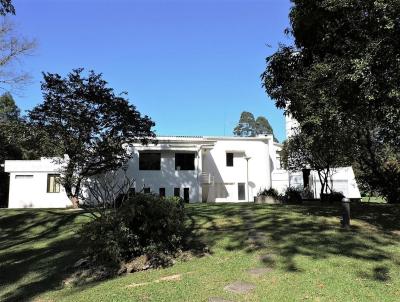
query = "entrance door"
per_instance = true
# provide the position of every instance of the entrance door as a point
(186, 194)
(241, 191)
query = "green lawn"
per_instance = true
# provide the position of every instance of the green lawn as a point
(311, 258)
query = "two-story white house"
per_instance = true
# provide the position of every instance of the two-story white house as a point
(196, 168)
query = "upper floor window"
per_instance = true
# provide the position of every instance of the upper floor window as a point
(229, 159)
(149, 161)
(184, 161)
(53, 183)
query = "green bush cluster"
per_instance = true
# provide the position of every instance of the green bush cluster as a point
(145, 224)
(271, 192)
(292, 195)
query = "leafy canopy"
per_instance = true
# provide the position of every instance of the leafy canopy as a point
(343, 69)
(88, 123)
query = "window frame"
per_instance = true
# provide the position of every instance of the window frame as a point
(150, 167)
(56, 183)
(243, 185)
(229, 157)
(177, 190)
(185, 161)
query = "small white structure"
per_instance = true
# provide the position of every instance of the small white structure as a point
(196, 168)
(33, 184)
(342, 179)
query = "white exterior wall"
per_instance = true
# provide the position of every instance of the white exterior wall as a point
(31, 192)
(167, 177)
(224, 187)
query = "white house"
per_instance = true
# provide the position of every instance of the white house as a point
(197, 168)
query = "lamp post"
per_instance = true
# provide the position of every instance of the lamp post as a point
(247, 158)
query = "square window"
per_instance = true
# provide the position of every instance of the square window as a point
(149, 161)
(184, 161)
(146, 190)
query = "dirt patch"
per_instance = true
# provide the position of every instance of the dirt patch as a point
(176, 277)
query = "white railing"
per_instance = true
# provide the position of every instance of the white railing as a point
(206, 178)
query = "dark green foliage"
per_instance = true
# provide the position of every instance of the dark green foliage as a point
(248, 126)
(89, 123)
(6, 7)
(269, 192)
(292, 195)
(263, 126)
(341, 76)
(332, 197)
(144, 225)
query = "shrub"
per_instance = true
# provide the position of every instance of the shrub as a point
(145, 224)
(332, 197)
(270, 192)
(292, 195)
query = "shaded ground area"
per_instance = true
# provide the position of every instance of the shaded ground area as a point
(37, 248)
(289, 253)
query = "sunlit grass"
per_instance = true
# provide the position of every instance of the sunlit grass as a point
(311, 257)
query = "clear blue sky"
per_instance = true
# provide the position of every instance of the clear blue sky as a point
(193, 66)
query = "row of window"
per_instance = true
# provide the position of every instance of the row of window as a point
(152, 161)
(183, 161)
(177, 192)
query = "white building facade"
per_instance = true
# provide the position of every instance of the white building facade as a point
(196, 168)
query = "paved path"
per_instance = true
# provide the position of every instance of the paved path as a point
(256, 240)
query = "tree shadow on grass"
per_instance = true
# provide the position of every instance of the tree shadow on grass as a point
(37, 250)
(311, 231)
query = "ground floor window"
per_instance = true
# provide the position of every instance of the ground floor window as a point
(162, 192)
(177, 192)
(53, 183)
(146, 190)
(241, 191)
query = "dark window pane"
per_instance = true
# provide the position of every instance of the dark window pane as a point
(146, 190)
(186, 194)
(229, 159)
(241, 191)
(162, 192)
(184, 161)
(149, 161)
(177, 192)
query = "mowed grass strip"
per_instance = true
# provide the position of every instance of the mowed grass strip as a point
(310, 258)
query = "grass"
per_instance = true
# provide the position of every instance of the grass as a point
(312, 258)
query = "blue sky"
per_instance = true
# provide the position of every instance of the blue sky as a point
(193, 66)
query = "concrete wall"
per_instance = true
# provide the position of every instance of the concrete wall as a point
(343, 181)
(226, 179)
(28, 185)
(167, 177)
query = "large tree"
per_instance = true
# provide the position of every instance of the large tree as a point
(9, 144)
(88, 124)
(6, 7)
(248, 126)
(345, 59)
